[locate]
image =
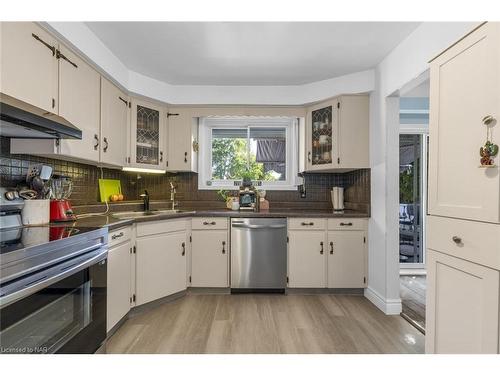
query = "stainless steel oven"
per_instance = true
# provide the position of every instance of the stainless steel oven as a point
(54, 301)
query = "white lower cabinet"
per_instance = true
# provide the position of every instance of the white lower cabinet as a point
(346, 259)
(210, 258)
(161, 265)
(462, 306)
(119, 280)
(306, 258)
(327, 253)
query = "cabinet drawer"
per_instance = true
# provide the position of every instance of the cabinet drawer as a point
(470, 240)
(347, 224)
(119, 236)
(306, 223)
(209, 223)
(162, 226)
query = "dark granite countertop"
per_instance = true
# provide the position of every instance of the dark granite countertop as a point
(113, 223)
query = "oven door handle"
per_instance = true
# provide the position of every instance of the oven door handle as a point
(45, 282)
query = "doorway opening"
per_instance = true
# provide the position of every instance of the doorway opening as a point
(413, 156)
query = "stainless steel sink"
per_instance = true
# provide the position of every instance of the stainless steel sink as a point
(138, 214)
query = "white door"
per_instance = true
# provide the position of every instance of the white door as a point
(181, 135)
(79, 103)
(346, 259)
(462, 306)
(28, 66)
(160, 266)
(119, 280)
(210, 258)
(306, 259)
(114, 124)
(148, 125)
(465, 88)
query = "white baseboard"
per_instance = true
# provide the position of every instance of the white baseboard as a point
(388, 306)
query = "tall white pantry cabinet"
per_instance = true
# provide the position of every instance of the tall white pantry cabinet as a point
(463, 240)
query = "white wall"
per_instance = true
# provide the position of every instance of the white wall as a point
(81, 38)
(406, 62)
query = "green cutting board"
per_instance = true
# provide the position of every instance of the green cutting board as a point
(109, 187)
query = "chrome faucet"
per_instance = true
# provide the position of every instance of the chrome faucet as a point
(145, 198)
(172, 195)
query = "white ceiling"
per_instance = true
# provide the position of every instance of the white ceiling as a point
(250, 53)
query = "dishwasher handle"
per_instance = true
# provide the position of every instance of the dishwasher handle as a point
(253, 226)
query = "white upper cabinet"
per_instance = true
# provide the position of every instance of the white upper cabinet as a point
(114, 124)
(465, 90)
(28, 66)
(337, 134)
(147, 134)
(79, 103)
(182, 140)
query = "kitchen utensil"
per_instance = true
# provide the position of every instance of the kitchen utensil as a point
(107, 188)
(12, 195)
(27, 194)
(45, 172)
(38, 185)
(35, 212)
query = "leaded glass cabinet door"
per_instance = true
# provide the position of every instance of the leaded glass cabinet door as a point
(148, 131)
(322, 136)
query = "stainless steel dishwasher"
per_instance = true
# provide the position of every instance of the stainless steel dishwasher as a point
(258, 255)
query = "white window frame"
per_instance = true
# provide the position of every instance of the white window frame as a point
(219, 122)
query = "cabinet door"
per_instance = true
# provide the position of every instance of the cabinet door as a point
(182, 141)
(79, 103)
(354, 144)
(147, 134)
(114, 124)
(306, 259)
(464, 89)
(322, 136)
(346, 259)
(160, 266)
(118, 301)
(28, 66)
(462, 306)
(209, 262)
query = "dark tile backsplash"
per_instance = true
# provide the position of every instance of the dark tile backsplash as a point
(13, 169)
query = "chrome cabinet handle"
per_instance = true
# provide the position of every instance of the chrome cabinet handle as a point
(308, 224)
(331, 247)
(223, 247)
(183, 249)
(488, 119)
(115, 236)
(346, 224)
(106, 145)
(321, 251)
(457, 240)
(209, 223)
(96, 144)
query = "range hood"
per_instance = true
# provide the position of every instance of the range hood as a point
(21, 120)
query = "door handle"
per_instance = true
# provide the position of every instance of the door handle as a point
(309, 156)
(185, 157)
(183, 249)
(249, 226)
(331, 247)
(223, 247)
(161, 155)
(346, 224)
(52, 48)
(209, 223)
(59, 55)
(322, 250)
(309, 224)
(457, 240)
(115, 236)
(96, 144)
(106, 144)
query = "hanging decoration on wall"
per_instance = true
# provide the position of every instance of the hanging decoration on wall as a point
(490, 149)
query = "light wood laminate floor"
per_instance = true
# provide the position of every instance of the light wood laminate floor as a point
(202, 323)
